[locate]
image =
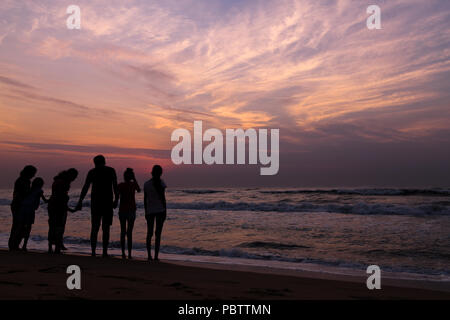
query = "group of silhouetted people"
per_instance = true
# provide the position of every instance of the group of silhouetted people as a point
(106, 195)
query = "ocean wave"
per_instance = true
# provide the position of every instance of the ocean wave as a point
(229, 252)
(237, 252)
(362, 208)
(271, 245)
(5, 202)
(366, 192)
(207, 191)
(410, 253)
(437, 208)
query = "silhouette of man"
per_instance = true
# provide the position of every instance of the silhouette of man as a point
(104, 187)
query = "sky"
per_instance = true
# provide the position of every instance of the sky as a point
(355, 107)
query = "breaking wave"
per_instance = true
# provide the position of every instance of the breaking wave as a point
(362, 208)
(237, 252)
(367, 192)
(208, 191)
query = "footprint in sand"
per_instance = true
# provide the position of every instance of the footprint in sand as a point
(266, 292)
(132, 279)
(12, 271)
(42, 285)
(182, 287)
(53, 270)
(11, 283)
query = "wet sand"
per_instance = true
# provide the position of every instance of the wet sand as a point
(35, 275)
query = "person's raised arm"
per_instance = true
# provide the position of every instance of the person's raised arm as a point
(84, 191)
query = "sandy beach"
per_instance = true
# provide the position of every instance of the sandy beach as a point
(36, 275)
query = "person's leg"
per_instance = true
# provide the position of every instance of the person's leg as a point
(20, 232)
(106, 225)
(159, 226)
(58, 237)
(150, 223)
(51, 236)
(63, 230)
(95, 227)
(130, 235)
(16, 235)
(26, 235)
(13, 233)
(13, 236)
(123, 231)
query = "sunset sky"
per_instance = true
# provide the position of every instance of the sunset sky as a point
(355, 107)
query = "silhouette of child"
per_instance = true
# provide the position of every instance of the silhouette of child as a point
(155, 209)
(27, 210)
(127, 209)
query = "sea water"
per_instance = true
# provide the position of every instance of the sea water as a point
(404, 231)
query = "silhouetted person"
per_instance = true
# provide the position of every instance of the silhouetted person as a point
(155, 209)
(127, 209)
(104, 187)
(27, 210)
(22, 187)
(58, 207)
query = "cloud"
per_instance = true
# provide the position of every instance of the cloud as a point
(90, 149)
(61, 105)
(310, 68)
(243, 55)
(15, 83)
(55, 48)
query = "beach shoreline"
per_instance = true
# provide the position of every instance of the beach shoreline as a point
(37, 275)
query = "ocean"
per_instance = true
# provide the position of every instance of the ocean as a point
(406, 232)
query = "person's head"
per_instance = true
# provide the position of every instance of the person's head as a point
(67, 175)
(28, 172)
(37, 183)
(157, 171)
(128, 175)
(99, 161)
(72, 174)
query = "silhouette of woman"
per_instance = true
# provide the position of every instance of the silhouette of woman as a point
(155, 208)
(22, 187)
(57, 208)
(127, 209)
(27, 211)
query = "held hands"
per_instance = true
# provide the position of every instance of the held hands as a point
(79, 206)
